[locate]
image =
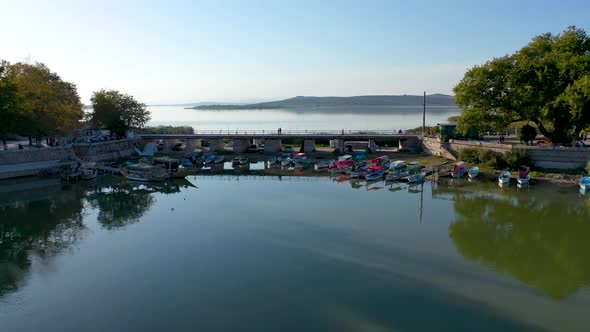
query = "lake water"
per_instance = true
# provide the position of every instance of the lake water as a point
(292, 253)
(361, 118)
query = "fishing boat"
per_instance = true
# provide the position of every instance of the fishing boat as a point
(504, 178)
(372, 176)
(147, 177)
(380, 160)
(236, 160)
(88, 171)
(473, 172)
(415, 174)
(243, 160)
(397, 172)
(210, 160)
(523, 175)
(325, 164)
(359, 172)
(286, 162)
(585, 183)
(459, 169)
(145, 173)
(220, 160)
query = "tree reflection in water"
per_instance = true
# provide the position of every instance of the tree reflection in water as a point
(542, 240)
(44, 221)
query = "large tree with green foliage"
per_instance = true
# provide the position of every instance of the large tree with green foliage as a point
(117, 112)
(8, 103)
(546, 82)
(48, 106)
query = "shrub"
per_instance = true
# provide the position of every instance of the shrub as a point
(470, 155)
(517, 158)
(527, 133)
(492, 159)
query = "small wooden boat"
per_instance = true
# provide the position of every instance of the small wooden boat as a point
(220, 160)
(243, 160)
(523, 175)
(504, 178)
(146, 177)
(286, 162)
(585, 183)
(396, 173)
(414, 174)
(236, 160)
(459, 169)
(473, 172)
(325, 164)
(210, 160)
(372, 176)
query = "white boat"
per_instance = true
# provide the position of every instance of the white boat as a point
(473, 172)
(523, 175)
(459, 169)
(504, 178)
(146, 177)
(585, 183)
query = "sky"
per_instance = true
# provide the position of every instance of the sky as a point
(174, 51)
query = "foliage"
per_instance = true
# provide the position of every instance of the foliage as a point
(168, 130)
(517, 158)
(492, 159)
(470, 155)
(453, 118)
(8, 102)
(547, 81)
(47, 105)
(527, 133)
(117, 112)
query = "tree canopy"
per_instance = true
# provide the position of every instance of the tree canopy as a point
(117, 112)
(8, 102)
(546, 82)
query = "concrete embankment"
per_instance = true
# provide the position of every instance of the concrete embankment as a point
(543, 157)
(17, 163)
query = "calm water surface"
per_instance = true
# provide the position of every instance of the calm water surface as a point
(268, 253)
(367, 117)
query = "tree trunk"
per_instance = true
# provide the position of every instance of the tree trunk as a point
(5, 144)
(30, 141)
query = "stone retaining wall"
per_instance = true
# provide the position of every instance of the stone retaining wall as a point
(545, 157)
(102, 151)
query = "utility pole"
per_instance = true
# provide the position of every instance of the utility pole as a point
(424, 116)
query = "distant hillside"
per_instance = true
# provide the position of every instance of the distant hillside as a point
(301, 101)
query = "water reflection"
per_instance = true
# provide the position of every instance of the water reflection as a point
(43, 218)
(539, 239)
(41, 227)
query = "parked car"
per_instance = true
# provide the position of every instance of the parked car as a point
(288, 149)
(253, 148)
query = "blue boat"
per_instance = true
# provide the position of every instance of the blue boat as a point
(585, 183)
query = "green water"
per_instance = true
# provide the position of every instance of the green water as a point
(264, 253)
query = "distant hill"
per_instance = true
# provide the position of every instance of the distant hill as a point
(302, 101)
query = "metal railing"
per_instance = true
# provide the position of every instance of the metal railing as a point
(264, 132)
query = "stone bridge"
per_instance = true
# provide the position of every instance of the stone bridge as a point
(272, 140)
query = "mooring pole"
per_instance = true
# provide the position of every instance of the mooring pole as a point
(424, 116)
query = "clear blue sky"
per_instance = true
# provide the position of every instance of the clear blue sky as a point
(189, 51)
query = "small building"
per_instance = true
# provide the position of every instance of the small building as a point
(447, 130)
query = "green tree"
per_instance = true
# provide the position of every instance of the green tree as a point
(546, 82)
(49, 106)
(8, 103)
(117, 112)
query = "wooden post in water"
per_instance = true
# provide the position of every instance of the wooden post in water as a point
(424, 116)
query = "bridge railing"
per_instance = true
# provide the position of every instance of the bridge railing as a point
(287, 132)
